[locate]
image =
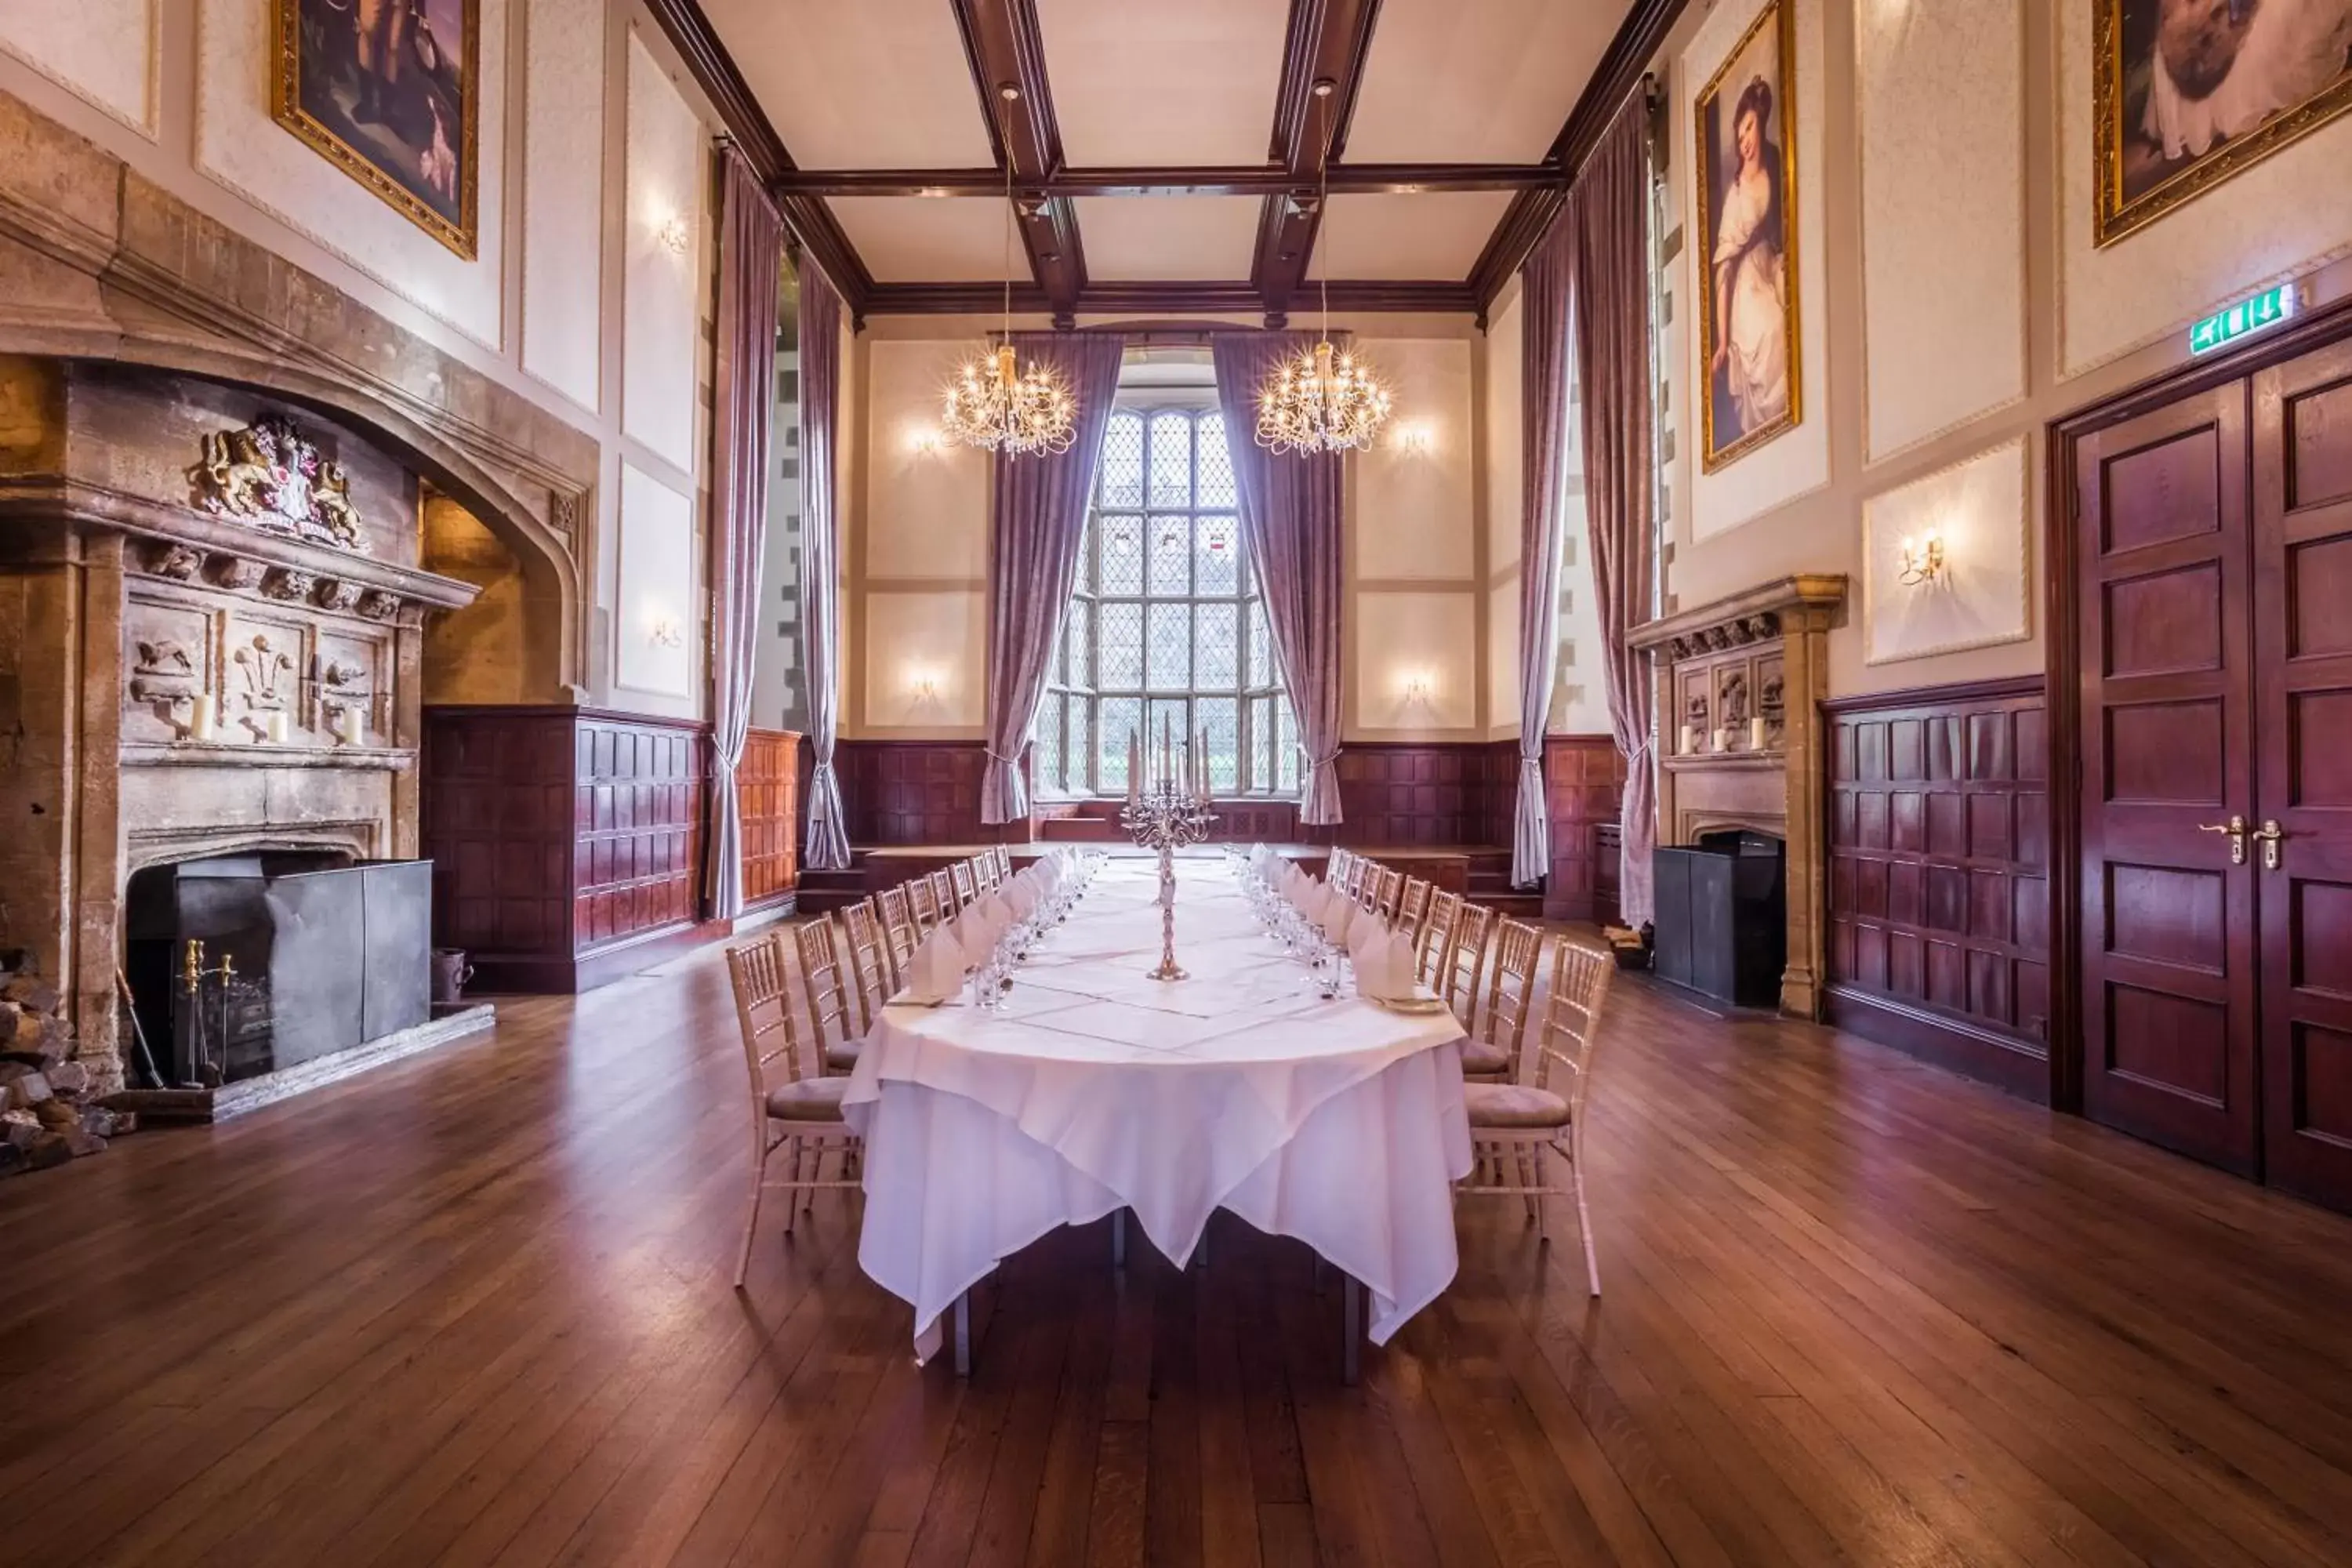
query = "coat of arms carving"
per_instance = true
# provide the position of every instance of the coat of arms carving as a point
(269, 476)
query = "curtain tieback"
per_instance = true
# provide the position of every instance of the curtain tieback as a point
(1325, 761)
(999, 757)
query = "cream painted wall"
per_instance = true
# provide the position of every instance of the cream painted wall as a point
(663, 250)
(1954, 326)
(1501, 408)
(176, 91)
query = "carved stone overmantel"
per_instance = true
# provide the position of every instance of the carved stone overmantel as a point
(1739, 683)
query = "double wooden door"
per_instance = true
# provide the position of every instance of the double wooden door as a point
(2214, 543)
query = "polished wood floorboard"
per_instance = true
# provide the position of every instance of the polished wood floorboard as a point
(474, 1308)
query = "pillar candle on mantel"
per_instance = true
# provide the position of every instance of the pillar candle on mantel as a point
(1134, 764)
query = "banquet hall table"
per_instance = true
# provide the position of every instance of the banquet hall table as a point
(1096, 1088)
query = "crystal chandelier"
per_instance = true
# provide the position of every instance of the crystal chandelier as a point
(992, 403)
(1321, 399)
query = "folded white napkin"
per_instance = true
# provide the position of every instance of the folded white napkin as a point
(976, 933)
(1366, 931)
(935, 974)
(1305, 896)
(1384, 966)
(1338, 914)
(1020, 896)
(994, 913)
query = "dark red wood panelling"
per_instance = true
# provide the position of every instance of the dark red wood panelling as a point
(767, 795)
(1584, 789)
(915, 791)
(1939, 889)
(558, 835)
(1403, 792)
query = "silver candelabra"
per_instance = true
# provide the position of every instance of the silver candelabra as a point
(1165, 816)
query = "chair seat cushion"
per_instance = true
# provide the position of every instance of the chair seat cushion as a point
(1513, 1105)
(809, 1099)
(1485, 1059)
(842, 1058)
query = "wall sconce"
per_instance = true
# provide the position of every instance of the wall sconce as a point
(674, 235)
(922, 685)
(925, 441)
(1922, 560)
(662, 631)
(1416, 438)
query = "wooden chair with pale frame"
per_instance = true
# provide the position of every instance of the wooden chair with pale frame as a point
(983, 871)
(960, 877)
(898, 934)
(1435, 945)
(1388, 893)
(922, 905)
(793, 1109)
(867, 959)
(1542, 1111)
(1465, 965)
(1335, 868)
(831, 1002)
(1492, 1052)
(943, 889)
(1412, 908)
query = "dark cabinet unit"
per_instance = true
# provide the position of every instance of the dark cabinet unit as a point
(1722, 928)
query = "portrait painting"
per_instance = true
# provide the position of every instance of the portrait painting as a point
(1747, 244)
(2189, 92)
(387, 90)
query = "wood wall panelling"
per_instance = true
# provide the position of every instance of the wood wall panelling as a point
(1396, 793)
(1584, 790)
(915, 791)
(767, 791)
(1939, 889)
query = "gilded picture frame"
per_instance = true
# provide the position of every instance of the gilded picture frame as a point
(2165, 136)
(376, 88)
(1751, 344)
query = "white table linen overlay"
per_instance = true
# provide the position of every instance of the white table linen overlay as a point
(1340, 1122)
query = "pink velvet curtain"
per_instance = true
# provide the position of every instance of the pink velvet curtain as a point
(1041, 517)
(1291, 517)
(1605, 228)
(751, 253)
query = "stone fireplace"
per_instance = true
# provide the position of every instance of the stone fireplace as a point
(211, 623)
(1738, 684)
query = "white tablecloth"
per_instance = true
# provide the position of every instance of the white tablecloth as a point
(1338, 1122)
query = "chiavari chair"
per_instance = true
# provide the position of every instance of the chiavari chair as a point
(868, 958)
(966, 886)
(1465, 966)
(983, 871)
(943, 888)
(1388, 893)
(1541, 1113)
(1004, 858)
(922, 906)
(899, 934)
(1436, 949)
(1334, 869)
(1492, 1051)
(831, 1002)
(793, 1109)
(1413, 908)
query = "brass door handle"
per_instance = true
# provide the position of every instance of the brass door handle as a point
(2270, 836)
(2236, 828)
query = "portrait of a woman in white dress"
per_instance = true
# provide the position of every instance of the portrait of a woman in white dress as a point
(1749, 311)
(2190, 91)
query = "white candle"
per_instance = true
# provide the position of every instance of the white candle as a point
(203, 718)
(277, 728)
(1202, 791)
(1167, 755)
(1690, 739)
(1134, 764)
(1756, 733)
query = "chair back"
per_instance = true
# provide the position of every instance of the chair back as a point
(761, 971)
(1388, 892)
(1335, 868)
(829, 998)
(1412, 908)
(1436, 942)
(983, 871)
(1467, 965)
(869, 960)
(966, 886)
(1002, 859)
(1571, 1036)
(1358, 871)
(1510, 990)
(923, 905)
(943, 889)
(899, 938)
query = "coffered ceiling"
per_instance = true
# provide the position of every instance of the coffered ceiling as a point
(1164, 155)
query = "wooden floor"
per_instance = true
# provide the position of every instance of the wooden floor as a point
(474, 1308)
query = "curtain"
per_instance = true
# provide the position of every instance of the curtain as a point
(1543, 430)
(1291, 517)
(1606, 231)
(750, 258)
(1041, 517)
(828, 836)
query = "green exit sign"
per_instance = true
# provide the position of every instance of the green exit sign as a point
(2267, 308)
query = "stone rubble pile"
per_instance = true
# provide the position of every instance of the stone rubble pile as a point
(48, 1112)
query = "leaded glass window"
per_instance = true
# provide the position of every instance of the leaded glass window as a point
(1166, 623)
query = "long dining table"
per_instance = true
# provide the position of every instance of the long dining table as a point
(1096, 1089)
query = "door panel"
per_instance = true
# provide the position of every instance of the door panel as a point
(2168, 945)
(2302, 431)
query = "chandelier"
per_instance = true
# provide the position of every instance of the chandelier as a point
(1321, 399)
(992, 403)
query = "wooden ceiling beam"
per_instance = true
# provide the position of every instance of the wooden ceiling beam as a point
(1326, 42)
(1172, 180)
(715, 71)
(1005, 49)
(1639, 38)
(1182, 298)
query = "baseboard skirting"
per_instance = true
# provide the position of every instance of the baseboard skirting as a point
(2017, 1065)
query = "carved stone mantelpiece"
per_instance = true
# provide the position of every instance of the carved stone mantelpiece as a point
(1757, 657)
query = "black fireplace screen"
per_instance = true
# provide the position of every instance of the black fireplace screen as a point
(246, 964)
